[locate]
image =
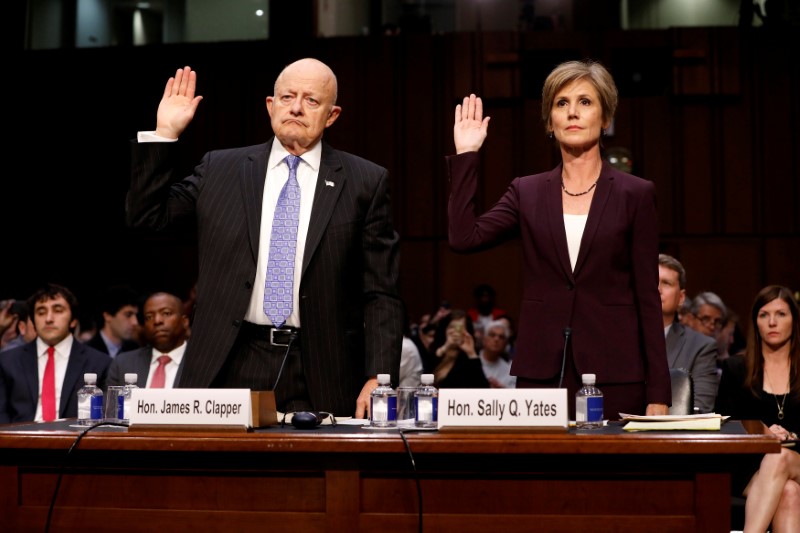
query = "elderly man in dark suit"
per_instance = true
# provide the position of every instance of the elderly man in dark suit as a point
(686, 348)
(326, 302)
(39, 381)
(165, 328)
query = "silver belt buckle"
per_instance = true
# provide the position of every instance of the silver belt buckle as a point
(272, 336)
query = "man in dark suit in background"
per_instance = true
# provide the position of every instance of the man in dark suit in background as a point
(165, 328)
(686, 348)
(343, 305)
(55, 358)
(119, 325)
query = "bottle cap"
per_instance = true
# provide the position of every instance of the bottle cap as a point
(131, 377)
(426, 379)
(588, 378)
(90, 377)
(384, 379)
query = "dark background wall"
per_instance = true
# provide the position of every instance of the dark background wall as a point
(709, 115)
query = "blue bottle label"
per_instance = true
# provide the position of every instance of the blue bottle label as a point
(97, 407)
(121, 406)
(392, 401)
(594, 409)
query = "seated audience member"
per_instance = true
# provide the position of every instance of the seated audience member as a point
(686, 348)
(39, 381)
(764, 384)
(119, 306)
(685, 312)
(8, 322)
(730, 339)
(495, 367)
(707, 314)
(452, 358)
(410, 360)
(165, 329)
(484, 310)
(512, 336)
(410, 364)
(24, 328)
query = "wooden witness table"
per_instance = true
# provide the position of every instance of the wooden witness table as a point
(354, 479)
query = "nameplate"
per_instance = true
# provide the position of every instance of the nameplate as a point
(503, 408)
(190, 407)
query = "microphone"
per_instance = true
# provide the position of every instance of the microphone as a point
(567, 335)
(300, 419)
(292, 337)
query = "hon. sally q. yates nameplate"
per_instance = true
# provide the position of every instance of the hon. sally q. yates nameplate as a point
(541, 409)
(193, 408)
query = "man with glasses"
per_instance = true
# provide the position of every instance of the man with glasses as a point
(495, 367)
(707, 314)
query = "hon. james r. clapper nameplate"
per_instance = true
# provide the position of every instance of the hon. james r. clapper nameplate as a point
(520, 409)
(214, 409)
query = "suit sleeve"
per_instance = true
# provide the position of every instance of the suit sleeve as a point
(467, 232)
(704, 377)
(383, 309)
(114, 374)
(644, 239)
(153, 202)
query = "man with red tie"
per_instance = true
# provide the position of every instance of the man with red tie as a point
(165, 327)
(39, 381)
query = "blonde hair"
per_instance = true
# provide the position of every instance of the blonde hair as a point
(571, 71)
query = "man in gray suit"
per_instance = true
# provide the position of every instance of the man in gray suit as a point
(345, 319)
(165, 328)
(686, 348)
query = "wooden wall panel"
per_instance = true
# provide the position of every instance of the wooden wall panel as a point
(654, 156)
(781, 258)
(420, 279)
(737, 172)
(779, 143)
(694, 168)
(729, 267)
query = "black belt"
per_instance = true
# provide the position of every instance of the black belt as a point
(275, 336)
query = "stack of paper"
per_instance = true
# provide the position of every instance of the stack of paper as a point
(702, 422)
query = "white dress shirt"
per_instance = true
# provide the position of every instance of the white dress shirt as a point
(277, 175)
(171, 370)
(61, 358)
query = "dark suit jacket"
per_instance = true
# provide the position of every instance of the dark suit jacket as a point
(610, 302)
(697, 353)
(99, 344)
(19, 380)
(351, 315)
(137, 361)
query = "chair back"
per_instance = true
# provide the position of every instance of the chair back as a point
(682, 394)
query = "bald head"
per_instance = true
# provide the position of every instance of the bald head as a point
(304, 104)
(311, 69)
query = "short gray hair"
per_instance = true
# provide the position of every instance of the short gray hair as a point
(497, 324)
(709, 298)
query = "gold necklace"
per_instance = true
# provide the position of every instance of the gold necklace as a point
(783, 401)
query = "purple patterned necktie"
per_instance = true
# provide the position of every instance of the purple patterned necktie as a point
(278, 289)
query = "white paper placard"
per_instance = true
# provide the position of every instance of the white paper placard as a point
(215, 407)
(503, 408)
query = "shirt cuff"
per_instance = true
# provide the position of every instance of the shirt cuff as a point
(151, 137)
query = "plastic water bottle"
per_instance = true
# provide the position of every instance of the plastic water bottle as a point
(383, 404)
(125, 398)
(90, 401)
(589, 404)
(427, 403)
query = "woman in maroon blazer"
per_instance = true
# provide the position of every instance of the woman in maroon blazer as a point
(590, 249)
